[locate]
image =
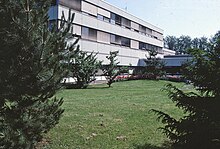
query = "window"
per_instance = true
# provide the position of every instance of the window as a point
(159, 49)
(115, 39)
(85, 32)
(157, 35)
(88, 33)
(103, 18)
(152, 47)
(112, 20)
(125, 22)
(142, 29)
(106, 19)
(135, 26)
(100, 17)
(148, 47)
(74, 4)
(142, 46)
(148, 31)
(117, 19)
(125, 42)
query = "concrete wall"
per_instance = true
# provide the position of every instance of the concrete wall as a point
(88, 18)
(126, 55)
(123, 13)
(92, 22)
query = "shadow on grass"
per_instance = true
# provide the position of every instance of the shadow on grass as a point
(97, 87)
(150, 146)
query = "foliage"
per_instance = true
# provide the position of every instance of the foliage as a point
(84, 67)
(215, 38)
(32, 59)
(200, 128)
(183, 43)
(170, 42)
(111, 71)
(154, 66)
(200, 43)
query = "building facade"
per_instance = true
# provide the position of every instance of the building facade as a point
(103, 27)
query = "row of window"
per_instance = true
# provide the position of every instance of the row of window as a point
(121, 21)
(109, 17)
(104, 37)
(146, 46)
(94, 35)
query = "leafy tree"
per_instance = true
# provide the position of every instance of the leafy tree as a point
(154, 66)
(84, 68)
(195, 43)
(111, 71)
(200, 43)
(215, 37)
(183, 43)
(203, 43)
(32, 62)
(170, 42)
(200, 128)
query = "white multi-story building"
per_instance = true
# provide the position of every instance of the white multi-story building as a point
(103, 27)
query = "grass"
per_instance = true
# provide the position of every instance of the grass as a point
(112, 118)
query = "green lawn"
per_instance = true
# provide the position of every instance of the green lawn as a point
(112, 118)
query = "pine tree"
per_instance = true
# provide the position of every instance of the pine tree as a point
(111, 71)
(154, 66)
(84, 67)
(200, 128)
(32, 65)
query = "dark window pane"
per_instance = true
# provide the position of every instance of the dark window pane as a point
(142, 29)
(112, 38)
(112, 18)
(125, 22)
(85, 32)
(115, 39)
(147, 47)
(88, 33)
(92, 34)
(142, 46)
(125, 42)
(118, 19)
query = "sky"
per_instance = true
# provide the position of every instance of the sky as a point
(196, 18)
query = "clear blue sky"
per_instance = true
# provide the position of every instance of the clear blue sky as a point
(195, 18)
